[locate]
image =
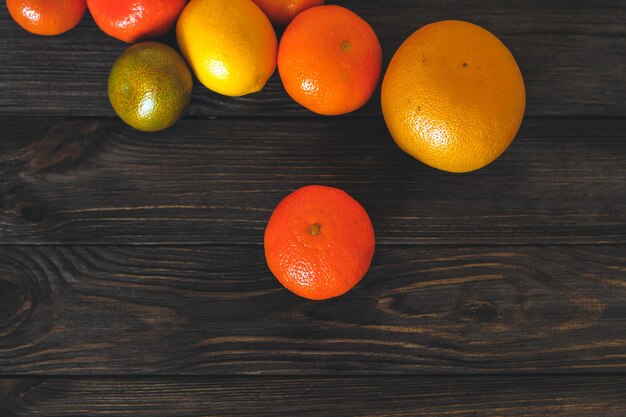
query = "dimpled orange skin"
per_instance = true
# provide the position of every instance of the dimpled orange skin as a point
(319, 242)
(47, 17)
(281, 12)
(453, 96)
(135, 20)
(329, 60)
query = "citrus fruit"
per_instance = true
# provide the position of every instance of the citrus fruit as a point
(47, 17)
(453, 96)
(319, 242)
(230, 45)
(329, 60)
(281, 12)
(135, 20)
(150, 86)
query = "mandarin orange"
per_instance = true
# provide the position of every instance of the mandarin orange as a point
(319, 242)
(135, 20)
(281, 12)
(329, 60)
(47, 17)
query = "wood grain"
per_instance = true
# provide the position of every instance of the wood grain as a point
(571, 55)
(132, 276)
(217, 181)
(411, 396)
(218, 311)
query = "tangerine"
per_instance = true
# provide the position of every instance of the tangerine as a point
(135, 20)
(281, 12)
(319, 242)
(453, 96)
(329, 60)
(47, 17)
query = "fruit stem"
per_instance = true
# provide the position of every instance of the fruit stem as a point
(315, 229)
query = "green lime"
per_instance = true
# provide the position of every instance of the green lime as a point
(150, 86)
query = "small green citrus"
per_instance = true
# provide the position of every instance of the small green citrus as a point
(150, 86)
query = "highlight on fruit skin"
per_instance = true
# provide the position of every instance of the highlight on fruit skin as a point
(319, 242)
(453, 96)
(47, 17)
(150, 86)
(230, 45)
(330, 60)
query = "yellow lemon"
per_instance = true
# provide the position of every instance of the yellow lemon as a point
(230, 45)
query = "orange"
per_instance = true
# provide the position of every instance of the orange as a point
(329, 60)
(135, 20)
(319, 242)
(281, 12)
(150, 86)
(453, 96)
(47, 17)
(230, 45)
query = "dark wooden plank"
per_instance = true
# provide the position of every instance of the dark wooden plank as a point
(217, 181)
(217, 310)
(571, 54)
(384, 396)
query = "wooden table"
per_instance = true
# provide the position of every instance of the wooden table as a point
(132, 275)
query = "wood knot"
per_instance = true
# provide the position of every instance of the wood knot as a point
(16, 301)
(14, 189)
(64, 143)
(480, 311)
(32, 214)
